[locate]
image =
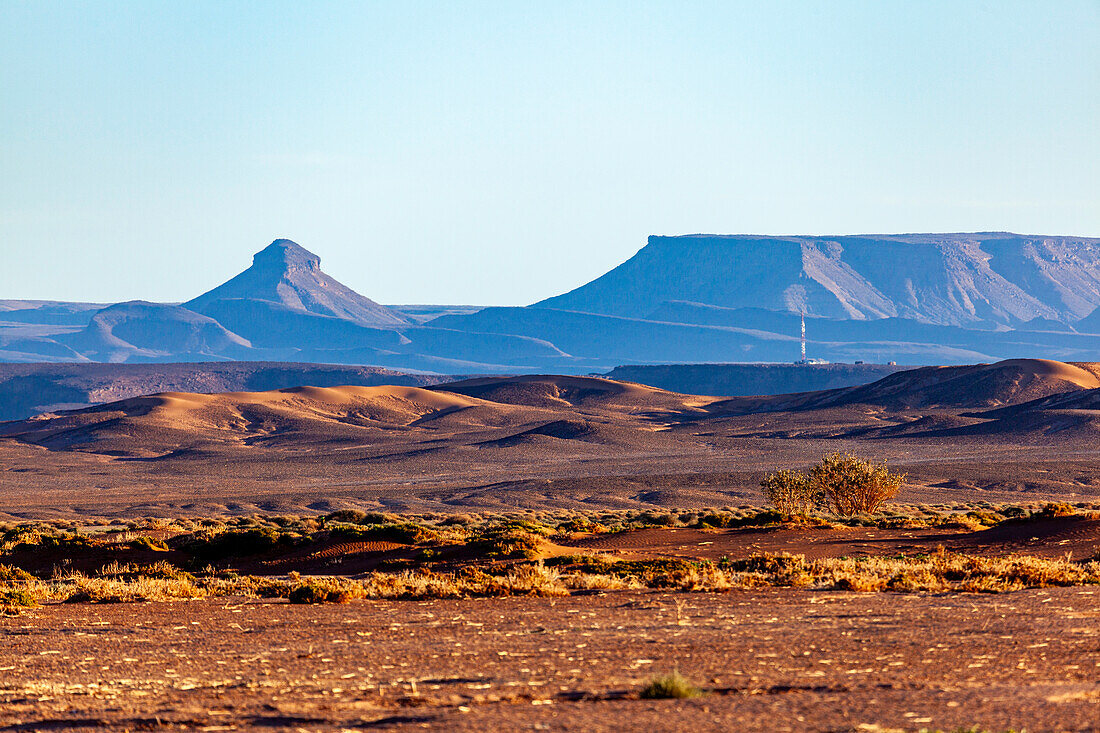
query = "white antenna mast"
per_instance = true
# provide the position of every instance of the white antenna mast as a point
(803, 335)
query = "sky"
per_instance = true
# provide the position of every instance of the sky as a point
(501, 153)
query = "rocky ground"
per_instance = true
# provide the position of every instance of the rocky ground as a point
(775, 659)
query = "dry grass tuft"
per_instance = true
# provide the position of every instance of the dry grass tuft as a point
(670, 686)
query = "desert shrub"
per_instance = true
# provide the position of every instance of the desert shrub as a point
(28, 539)
(457, 520)
(14, 600)
(524, 525)
(767, 563)
(511, 541)
(315, 592)
(1055, 510)
(238, 543)
(791, 492)
(352, 516)
(768, 569)
(914, 580)
(77, 588)
(147, 543)
(859, 583)
(656, 519)
(985, 517)
(902, 523)
(848, 485)
(763, 518)
(533, 580)
(580, 524)
(403, 532)
(670, 686)
(9, 575)
(711, 520)
(595, 581)
(159, 570)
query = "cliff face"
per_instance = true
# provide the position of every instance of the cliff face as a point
(980, 280)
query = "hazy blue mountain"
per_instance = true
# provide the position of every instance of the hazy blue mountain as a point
(912, 298)
(48, 312)
(142, 331)
(1038, 336)
(290, 275)
(982, 279)
(611, 340)
(267, 324)
(1089, 324)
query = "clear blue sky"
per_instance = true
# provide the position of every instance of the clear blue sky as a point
(499, 153)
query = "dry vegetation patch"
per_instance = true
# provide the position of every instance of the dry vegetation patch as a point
(494, 554)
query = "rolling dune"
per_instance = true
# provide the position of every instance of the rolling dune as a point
(1016, 430)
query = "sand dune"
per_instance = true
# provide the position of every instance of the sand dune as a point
(552, 441)
(974, 386)
(173, 419)
(1049, 396)
(557, 391)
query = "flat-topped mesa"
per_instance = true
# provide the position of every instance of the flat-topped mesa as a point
(284, 275)
(983, 280)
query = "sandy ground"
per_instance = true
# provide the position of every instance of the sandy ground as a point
(36, 483)
(548, 442)
(772, 659)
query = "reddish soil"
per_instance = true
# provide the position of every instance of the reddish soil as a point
(1077, 537)
(781, 660)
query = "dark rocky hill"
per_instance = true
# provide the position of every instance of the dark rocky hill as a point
(752, 379)
(30, 389)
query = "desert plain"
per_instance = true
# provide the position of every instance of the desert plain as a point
(545, 552)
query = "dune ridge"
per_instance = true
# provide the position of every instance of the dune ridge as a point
(550, 440)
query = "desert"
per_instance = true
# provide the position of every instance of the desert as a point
(497, 366)
(546, 551)
(1019, 430)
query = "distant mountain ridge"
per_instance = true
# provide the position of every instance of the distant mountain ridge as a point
(982, 279)
(141, 329)
(282, 308)
(907, 298)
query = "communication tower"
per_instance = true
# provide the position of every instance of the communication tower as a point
(803, 342)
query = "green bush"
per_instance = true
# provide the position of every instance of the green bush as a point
(848, 485)
(15, 598)
(791, 492)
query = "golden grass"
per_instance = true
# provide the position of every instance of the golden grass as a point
(496, 554)
(939, 572)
